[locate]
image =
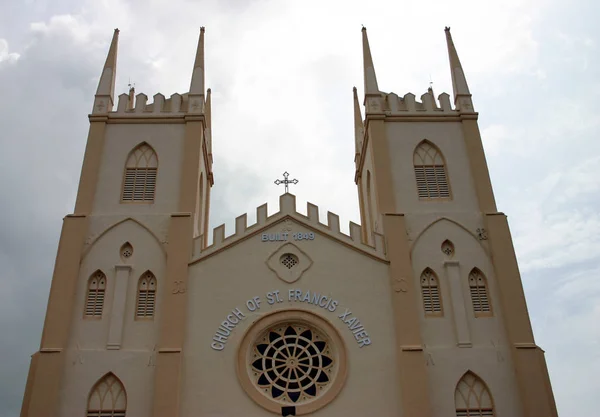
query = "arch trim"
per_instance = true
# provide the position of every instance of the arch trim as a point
(109, 228)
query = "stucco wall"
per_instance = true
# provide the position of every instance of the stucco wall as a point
(403, 138)
(167, 141)
(226, 280)
(87, 357)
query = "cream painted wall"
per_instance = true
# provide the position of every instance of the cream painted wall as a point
(490, 356)
(167, 141)
(226, 280)
(88, 360)
(403, 138)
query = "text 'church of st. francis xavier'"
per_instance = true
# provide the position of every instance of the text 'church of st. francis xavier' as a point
(417, 312)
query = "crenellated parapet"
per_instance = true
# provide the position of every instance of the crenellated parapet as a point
(394, 105)
(287, 211)
(176, 105)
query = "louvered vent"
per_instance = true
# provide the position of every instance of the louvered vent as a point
(139, 185)
(430, 172)
(479, 294)
(146, 298)
(94, 302)
(475, 413)
(432, 181)
(430, 290)
(92, 413)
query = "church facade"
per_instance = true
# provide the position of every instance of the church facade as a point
(417, 312)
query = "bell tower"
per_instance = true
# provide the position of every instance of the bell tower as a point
(144, 195)
(459, 306)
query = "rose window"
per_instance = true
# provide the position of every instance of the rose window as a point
(292, 363)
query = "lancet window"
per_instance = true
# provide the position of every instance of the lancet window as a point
(146, 296)
(479, 294)
(139, 184)
(96, 290)
(107, 398)
(430, 291)
(430, 172)
(472, 397)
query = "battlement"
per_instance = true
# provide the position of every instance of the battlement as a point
(176, 105)
(395, 105)
(287, 210)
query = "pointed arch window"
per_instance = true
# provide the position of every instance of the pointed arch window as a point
(430, 291)
(430, 172)
(472, 397)
(107, 398)
(141, 168)
(96, 290)
(146, 296)
(478, 288)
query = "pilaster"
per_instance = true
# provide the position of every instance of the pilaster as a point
(414, 385)
(459, 312)
(117, 315)
(530, 366)
(167, 377)
(478, 165)
(41, 396)
(91, 166)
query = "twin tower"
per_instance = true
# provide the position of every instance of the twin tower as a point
(419, 312)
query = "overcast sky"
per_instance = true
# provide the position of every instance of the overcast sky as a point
(282, 74)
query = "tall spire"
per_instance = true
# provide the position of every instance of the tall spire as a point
(358, 125)
(462, 95)
(106, 85)
(368, 67)
(197, 84)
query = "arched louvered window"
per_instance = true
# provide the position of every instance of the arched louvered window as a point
(146, 296)
(472, 397)
(94, 300)
(479, 294)
(430, 290)
(140, 175)
(430, 172)
(107, 398)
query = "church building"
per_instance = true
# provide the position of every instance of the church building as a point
(418, 312)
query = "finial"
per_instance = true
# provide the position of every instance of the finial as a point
(202, 29)
(447, 28)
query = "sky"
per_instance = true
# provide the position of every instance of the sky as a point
(281, 74)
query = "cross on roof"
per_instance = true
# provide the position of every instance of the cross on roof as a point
(286, 182)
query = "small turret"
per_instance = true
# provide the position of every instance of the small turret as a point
(104, 100)
(462, 95)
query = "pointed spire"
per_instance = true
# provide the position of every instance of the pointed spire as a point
(197, 84)
(106, 85)
(459, 82)
(368, 67)
(358, 124)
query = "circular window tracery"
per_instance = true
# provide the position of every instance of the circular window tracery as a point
(292, 358)
(294, 362)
